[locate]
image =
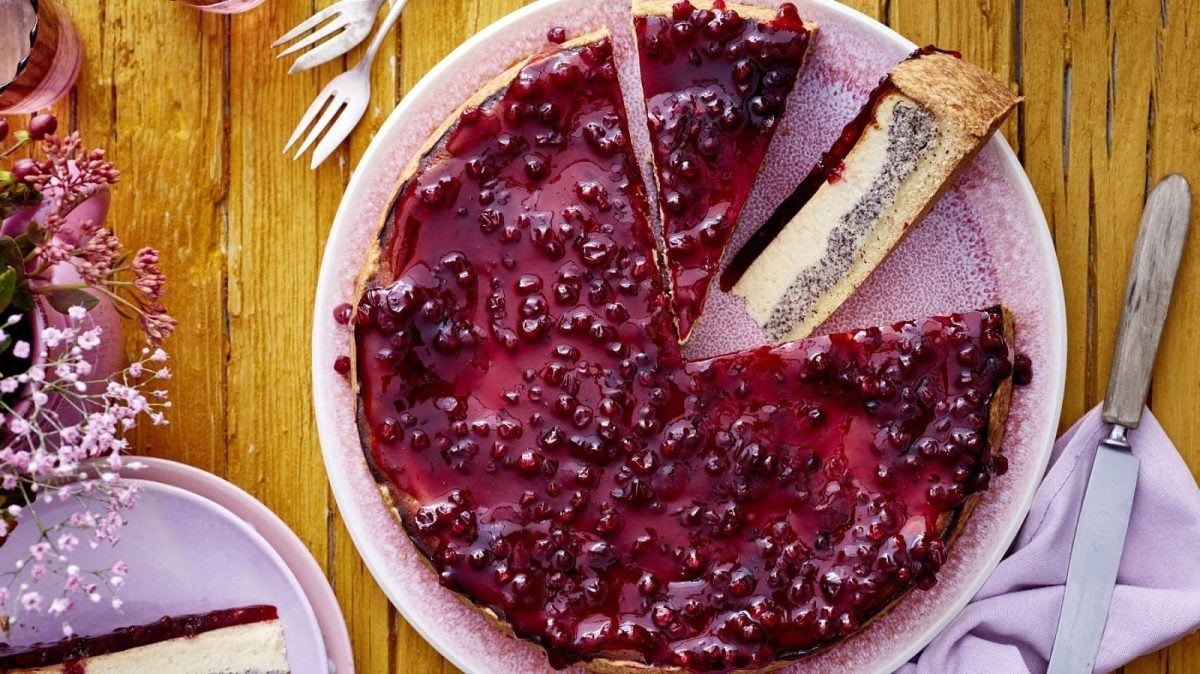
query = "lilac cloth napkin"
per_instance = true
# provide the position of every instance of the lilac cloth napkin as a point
(1009, 626)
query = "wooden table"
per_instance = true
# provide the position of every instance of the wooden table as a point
(194, 110)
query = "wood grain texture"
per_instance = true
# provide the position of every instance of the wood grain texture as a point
(195, 111)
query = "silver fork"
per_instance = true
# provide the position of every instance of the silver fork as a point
(348, 94)
(341, 25)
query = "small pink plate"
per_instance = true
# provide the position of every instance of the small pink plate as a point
(196, 543)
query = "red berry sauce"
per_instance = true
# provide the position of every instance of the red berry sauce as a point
(524, 398)
(716, 85)
(74, 649)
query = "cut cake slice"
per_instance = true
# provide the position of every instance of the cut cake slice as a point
(930, 115)
(716, 83)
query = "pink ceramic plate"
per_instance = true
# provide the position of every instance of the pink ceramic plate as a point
(186, 554)
(323, 603)
(987, 242)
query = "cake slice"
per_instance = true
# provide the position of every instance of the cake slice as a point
(716, 82)
(930, 115)
(245, 640)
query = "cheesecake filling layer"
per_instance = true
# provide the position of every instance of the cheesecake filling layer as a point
(845, 230)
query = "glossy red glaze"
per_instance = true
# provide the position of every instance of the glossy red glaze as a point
(73, 650)
(523, 394)
(827, 170)
(716, 86)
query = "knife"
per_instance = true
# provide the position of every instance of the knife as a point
(1104, 516)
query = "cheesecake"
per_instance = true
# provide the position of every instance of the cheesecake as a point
(926, 120)
(716, 83)
(529, 415)
(233, 641)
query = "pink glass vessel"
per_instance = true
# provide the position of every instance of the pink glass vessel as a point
(223, 6)
(40, 54)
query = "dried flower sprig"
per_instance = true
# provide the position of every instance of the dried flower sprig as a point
(68, 445)
(68, 175)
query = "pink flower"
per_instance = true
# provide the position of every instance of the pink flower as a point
(149, 277)
(19, 426)
(31, 601)
(21, 349)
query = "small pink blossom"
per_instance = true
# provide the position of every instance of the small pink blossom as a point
(31, 601)
(21, 349)
(90, 451)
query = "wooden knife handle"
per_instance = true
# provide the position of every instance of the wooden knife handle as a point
(1156, 256)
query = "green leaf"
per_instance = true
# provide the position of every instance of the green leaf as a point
(63, 300)
(33, 236)
(23, 298)
(8, 287)
(10, 254)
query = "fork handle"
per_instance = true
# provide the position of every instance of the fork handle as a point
(384, 29)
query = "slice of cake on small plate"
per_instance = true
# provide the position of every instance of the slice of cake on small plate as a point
(246, 640)
(930, 115)
(716, 83)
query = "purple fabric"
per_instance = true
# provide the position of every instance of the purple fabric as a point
(1009, 626)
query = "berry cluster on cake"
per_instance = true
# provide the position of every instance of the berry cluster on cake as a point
(523, 396)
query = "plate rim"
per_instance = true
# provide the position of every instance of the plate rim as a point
(144, 479)
(354, 518)
(267, 525)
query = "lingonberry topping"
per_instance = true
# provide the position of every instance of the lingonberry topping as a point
(523, 386)
(1022, 370)
(715, 86)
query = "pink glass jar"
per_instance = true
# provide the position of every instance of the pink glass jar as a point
(40, 54)
(223, 6)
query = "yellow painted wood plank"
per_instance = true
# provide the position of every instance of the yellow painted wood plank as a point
(1174, 144)
(278, 213)
(366, 608)
(152, 91)
(1086, 132)
(983, 31)
(876, 9)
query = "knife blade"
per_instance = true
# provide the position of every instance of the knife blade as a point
(1107, 503)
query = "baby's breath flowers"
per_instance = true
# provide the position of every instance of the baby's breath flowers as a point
(64, 427)
(63, 173)
(68, 445)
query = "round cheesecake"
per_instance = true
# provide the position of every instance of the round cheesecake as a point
(528, 412)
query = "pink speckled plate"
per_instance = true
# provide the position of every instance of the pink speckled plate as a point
(190, 553)
(989, 226)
